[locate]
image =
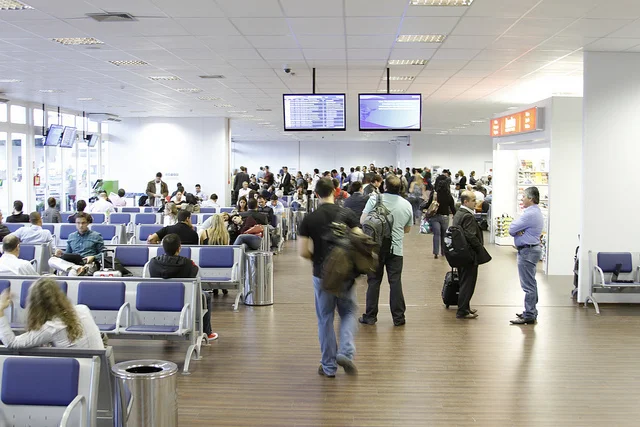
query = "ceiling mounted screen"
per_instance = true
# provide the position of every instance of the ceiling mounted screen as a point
(390, 112)
(314, 112)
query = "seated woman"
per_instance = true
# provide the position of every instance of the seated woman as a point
(216, 234)
(170, 214)
(51, 319)
(179, 200)
(250, 233)
(242, 204)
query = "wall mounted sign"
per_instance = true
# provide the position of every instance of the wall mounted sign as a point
(514, 124)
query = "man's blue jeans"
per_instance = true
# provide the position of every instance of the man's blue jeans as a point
(528, 259)
(252, 241)
(326, 305)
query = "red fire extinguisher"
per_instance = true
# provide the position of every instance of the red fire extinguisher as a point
(36, 180)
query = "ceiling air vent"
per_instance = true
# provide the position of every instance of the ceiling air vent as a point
(112, 17)
(264, 109)
(212, 76)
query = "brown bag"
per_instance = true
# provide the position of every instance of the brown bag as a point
(433, 207)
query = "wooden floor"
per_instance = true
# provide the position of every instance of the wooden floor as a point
(572, 369)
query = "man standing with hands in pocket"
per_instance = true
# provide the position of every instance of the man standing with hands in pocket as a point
(526, 231)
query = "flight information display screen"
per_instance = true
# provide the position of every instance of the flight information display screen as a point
(314, 112)
(390, 112)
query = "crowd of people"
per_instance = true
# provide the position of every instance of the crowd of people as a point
(403, 198)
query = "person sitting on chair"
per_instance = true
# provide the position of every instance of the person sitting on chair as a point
(83, 247)
(10, 263)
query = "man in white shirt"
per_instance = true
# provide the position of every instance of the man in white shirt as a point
(34, 234)
(212, 202)
(244, 191)
(199, 195)
(277, 206)
(102, 205)
(9, 261)
(118, 199)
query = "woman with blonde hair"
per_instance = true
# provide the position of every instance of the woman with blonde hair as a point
(51, 319)
(170, 214)
(217, 234)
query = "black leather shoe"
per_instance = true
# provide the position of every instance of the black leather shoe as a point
(523, 321)
(367, 321)
(400, 323)
(324, 374)
(473, 311)
(435, 257)
(519, 315)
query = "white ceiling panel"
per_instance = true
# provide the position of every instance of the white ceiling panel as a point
(208, 26)
(137, 8)
(365, 72)
(446, 64)
(375, 7)
(50, 28)
(539, 27)
(468, 42)
(412, 54)
(225, 43)
(476, 26)
(501, 8)
(498, 55)
(314, 54)
(262, 26)
(321, 42)
(196, 9)
(373, 26)
(358, 54)
(562, 8)
(436, 11)
(521, 43)
(177, 42)
(311, 8)
(237, 54)
(281, 54)
(455, 54)
(368, 42)
(631, 31)
(317, 26)
(276, 42)
(465, 73)
(431, 81)
(566, 43)
(243, 63)
(611, 44)
(594, 27)
(66, 9)
(250, 8)
(618, 9)
(427, 25)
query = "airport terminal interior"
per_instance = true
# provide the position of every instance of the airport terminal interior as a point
(142, 113)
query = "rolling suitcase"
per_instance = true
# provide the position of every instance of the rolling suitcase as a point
(451, 288)
(106, 272)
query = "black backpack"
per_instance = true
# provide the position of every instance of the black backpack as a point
(457, 249)
(378, 225)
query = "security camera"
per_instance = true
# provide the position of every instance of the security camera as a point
(287, 69)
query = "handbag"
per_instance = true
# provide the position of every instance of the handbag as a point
(433, 208)
(425, 226)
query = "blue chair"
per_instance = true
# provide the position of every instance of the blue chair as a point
(27, 252)
(65, 231)
(148, 210)
(217, 257)
(65, 216)
(108, 232)
(226, 210)
(39, 391)
(185, 251)
(98, 218)
(133, 258)
(208, 210)
(130, 210)
(4, 285)
(19, 315)
(120, 218)
(13, 226)
(145, 218)
(160, 297)
(144, 231)
(106, 301)
(26, 285)
(49, 227)
(206, 217)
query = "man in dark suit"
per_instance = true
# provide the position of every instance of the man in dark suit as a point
(358, 200)
(241, 177)
(286, 181)
(156, 188)
(465, 219)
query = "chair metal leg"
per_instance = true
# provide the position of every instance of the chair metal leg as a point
(593, 301)
(187, 360)
(238, 296)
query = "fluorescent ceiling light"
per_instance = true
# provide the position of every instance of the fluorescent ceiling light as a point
(264, 123)
(189, 90)
(478, 121)
(237, 111)
(85, 99)
(392, 90)
(156, 78)
(209, 98)
(10, 81)
(212, 76)
(77, 41)
(407, 62)
(51, 91)
(421, 38)
(129, 63)
(441, 2)
(222, 105)
(400, 78)
(13, 5)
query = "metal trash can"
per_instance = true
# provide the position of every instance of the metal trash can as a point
(258, 279)
(146, 392)
(296, 220)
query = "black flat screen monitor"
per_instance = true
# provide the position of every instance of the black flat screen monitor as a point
(92, 140)
(388, 112)
(54, 135)
(314, 112)
(68, 137)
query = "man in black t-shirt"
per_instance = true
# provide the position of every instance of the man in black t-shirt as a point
(184, 229)
(312, 231)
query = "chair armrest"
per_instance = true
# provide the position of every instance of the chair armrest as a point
(598, 271)
(234, 272)
(183, 316)
(126, 306)
(115, 240)
(79, 400)
(34, 262)
(145, 271)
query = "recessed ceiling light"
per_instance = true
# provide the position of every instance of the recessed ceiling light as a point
(13, 5)
(400, 78)
(478, 121)
(212, 76)
(85, 99)
(51, 91)
(441, 2)
(129, 63)
(77, 41)
(407, 61)
(513, 108)
(264, 109)
(237, 111)
(392, 90)
(10, 81)
(156, 78)
(421, 38)
(189, 90)
(210, 98)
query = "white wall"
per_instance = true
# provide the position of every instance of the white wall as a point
(454, 152)
(610, 160)
(194, 149)
(307, 155)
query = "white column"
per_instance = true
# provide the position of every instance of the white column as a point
(611, 150)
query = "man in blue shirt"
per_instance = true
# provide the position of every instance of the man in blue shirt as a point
(34, 234)
(526, 231)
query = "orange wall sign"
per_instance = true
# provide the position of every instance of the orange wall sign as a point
(522, 122)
